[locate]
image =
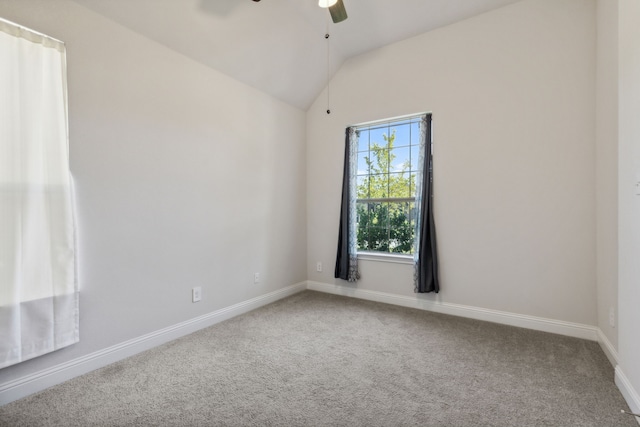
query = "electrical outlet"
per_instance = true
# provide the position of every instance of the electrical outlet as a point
(319, 267)
(256, 278)
(196, 294)
(612, 317)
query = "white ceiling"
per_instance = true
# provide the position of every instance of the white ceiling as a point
(278, 46)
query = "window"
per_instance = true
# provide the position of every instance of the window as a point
(387, 199)
(388, 165)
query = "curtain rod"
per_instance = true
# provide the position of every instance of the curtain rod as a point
(18, 30)
(392, 119)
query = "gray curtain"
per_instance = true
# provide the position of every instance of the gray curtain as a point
(347, 258)
(426, 255)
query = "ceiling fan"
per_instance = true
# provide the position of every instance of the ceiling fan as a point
(336, 8)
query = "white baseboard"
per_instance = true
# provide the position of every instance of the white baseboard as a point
(628, 392)
(41, 380)
(608, 348)
(576, 330)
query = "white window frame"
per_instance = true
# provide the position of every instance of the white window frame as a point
(389, 257)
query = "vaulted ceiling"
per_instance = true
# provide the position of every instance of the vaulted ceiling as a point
(279, 46)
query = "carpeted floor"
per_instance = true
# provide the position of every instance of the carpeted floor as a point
(322, 360)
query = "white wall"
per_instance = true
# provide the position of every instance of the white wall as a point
(184, 178)
(607, 167)
(513, 98)
(628, 374)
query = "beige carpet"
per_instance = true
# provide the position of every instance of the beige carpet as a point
(322, 360)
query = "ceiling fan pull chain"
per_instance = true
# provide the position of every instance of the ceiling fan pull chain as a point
(326, 36)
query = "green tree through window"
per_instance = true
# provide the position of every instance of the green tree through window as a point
(387, 168)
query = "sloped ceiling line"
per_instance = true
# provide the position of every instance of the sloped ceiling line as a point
(278, 46)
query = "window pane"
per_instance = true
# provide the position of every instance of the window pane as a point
(380, 161)
(400, 159)
(403, 135)
(362, 221)
(401, 229)
(362, 187)
(363, 167)
(378, 239)
(415, 158)
(412, 191)
(415, 133)
(372, 226)
(399, 185)
(377, 136)
(413, 214)
(379, 186)
(363, 140)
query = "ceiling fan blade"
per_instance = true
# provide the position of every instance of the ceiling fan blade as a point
(338, 12)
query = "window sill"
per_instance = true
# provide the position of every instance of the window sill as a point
(383, 257)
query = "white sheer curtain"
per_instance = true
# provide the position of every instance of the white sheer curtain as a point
(38, 286)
